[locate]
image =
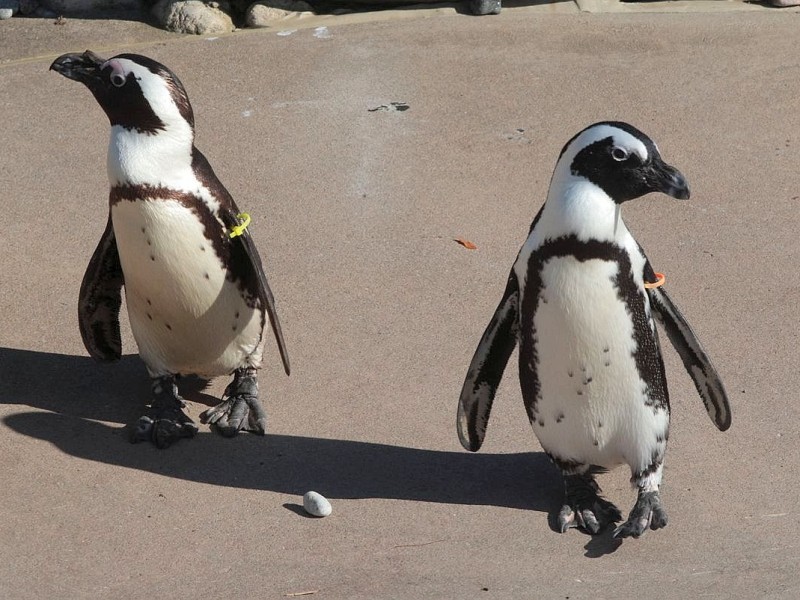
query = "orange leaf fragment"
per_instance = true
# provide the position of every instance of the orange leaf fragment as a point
(466, 243)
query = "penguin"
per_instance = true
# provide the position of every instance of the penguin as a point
(196, 293)
(582, 300)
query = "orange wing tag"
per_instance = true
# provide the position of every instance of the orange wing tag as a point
(660, 279)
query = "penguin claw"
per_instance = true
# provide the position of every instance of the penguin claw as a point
(592, 520)
(165, 421)
(142, 430)
(235, 414)
(163, 431)
(585, 508)
(566, 519)
(241, 410)
(646, 513)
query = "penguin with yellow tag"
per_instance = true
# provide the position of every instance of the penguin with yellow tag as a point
(195, 288)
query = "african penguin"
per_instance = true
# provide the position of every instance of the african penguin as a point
(590, 364)
(195, 287)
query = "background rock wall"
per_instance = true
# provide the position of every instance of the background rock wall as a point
(182, 16)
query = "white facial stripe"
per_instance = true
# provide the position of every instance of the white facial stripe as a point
(161, 159)
(156, 91)
(595, 134)
(117, 68)
(577, 206)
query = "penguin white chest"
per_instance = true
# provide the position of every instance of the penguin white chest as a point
(592, 404)
(186, 315)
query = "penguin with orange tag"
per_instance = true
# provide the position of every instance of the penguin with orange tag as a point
(582, 302)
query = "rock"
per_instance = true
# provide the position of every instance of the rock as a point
(193, 16)
(785, 3)
(316, 505)
(485, 7)
(264, 14)
(8, 8)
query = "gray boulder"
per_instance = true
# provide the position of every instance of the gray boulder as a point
(193, 16)
(264, 14)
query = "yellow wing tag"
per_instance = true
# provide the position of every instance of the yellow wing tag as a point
(237, 230)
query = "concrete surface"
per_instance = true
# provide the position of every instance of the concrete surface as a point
(355, 213)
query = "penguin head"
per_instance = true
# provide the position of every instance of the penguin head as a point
(620, 160)
(136, 92)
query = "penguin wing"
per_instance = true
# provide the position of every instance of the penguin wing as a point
(697, 363)
(100, 299)
(486, 368)
(245, 253)
(244, 256)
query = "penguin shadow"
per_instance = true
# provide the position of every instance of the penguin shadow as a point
(79, 402)
(82, 387)
(77, 387)
(601, 544)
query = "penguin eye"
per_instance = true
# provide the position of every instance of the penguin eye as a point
(117, 79)
(619, 154)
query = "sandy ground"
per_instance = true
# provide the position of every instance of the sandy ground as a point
(355, 213)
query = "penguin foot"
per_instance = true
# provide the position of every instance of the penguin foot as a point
(165, 421)
(584, 506)
(646, 513)
(241, 409)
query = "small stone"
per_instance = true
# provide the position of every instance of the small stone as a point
(316, 505)
(8, 8)
(265, 14)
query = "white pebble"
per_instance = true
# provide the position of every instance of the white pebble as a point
(316, 504)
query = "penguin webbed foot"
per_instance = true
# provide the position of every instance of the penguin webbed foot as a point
(646, 513)
(240, 410)
(165, 421)
(584, 507)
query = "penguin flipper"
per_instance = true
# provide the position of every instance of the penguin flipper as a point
(247, 253)
(697, 363)
(100, 300)
(244, 254)
(486, 368)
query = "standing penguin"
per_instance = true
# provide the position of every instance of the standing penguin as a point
(580, 300)
(195, 288)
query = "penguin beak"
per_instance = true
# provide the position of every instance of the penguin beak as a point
(667, 179)
(84, 68)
